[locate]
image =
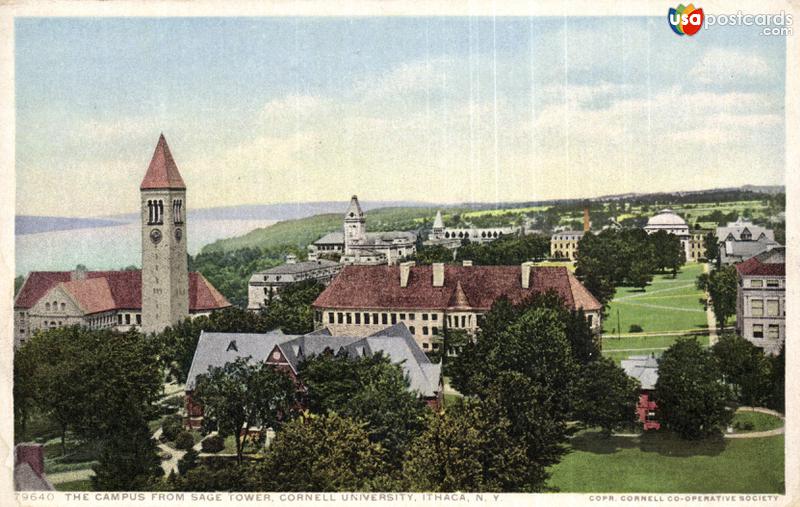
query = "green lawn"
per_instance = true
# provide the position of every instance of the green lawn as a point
(668, 304)
(758, 420)
(80, 485)
(645, 342)
(661, 463)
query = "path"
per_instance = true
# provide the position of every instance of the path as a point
(710, 317)
(752, 434)
(168, 464)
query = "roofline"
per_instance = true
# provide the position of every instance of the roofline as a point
(145, 189)
(194, 356)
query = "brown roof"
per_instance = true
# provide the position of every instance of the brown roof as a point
(109, 290)
(162, 172)
(480, 286)
(754, 267)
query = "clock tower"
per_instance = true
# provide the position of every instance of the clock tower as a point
(165, 273)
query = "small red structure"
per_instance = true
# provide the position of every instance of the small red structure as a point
(645, 370)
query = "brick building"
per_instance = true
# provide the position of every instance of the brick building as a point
(428, 299)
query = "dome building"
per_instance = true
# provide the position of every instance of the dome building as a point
(669, 221)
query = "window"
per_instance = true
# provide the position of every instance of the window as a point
(758, 331)
(366, 318)
(349, 317)
(138, 319)
(411, 316)
(63, 306)
(426, 346)
(402, 316)
(756, 284)
(424, 316)
(127, 318)
(384, 318)
(411, 330)
(773, 332)
(394, 318)
(591, 319)
(772, 308)
(425, 330)
(374, 318)
(340, 317)
(435, 316)
(772, 283)
(757, 307)
(358, 318)
(435, 330)
(330, 317)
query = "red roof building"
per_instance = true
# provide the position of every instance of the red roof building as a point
(96, 299)
(761, 299)
(363, 299)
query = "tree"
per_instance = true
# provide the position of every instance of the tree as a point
(465, 447)
(711, 244)
(744, 367)
(668, 251)
(321, 453)
(721, 287)
(240, 395)
(522, 362)
(368, 389)
(188, 461)
(94, 382)
(690, 391)
(777, 381)
(127, 462)
(18, 281)
(640, 275)
(431, 254)
(605, 396)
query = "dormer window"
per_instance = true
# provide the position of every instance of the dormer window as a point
(232, 346)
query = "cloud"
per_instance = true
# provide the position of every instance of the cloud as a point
(723, 65)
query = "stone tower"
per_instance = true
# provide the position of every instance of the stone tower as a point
(165, 273)
(355, 228)
(437, 231)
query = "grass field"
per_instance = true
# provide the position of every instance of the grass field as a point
(661, 463)
(758, 420)
(80, 485)
(667, 305)
(622, 348)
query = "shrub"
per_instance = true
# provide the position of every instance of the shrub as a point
(635, 328)
(172, 426)
(172, 404)
(214, 443)
(184, 440)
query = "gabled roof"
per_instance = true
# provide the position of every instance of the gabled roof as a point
(332, 238)
(378, 287)
(163, 172)
(642, 368)
(395, 342)
(100, 291)
(769, 263)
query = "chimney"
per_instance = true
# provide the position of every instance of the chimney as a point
(78, 274)
(586, 223)
(526, 274)
(466, 263)
(438, 274)
(32, 454)
(405, 271)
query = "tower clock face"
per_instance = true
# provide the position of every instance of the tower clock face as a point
(155, 235)
(178, 234)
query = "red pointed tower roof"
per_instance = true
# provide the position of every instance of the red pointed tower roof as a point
(162, 173)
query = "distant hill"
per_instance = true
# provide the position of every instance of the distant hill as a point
(301, 232)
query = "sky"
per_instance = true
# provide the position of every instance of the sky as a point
(441, 109)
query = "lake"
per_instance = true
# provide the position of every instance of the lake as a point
(102, 248)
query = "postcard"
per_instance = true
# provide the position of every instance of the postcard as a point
(305, 253)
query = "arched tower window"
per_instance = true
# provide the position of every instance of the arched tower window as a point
(150, 212)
